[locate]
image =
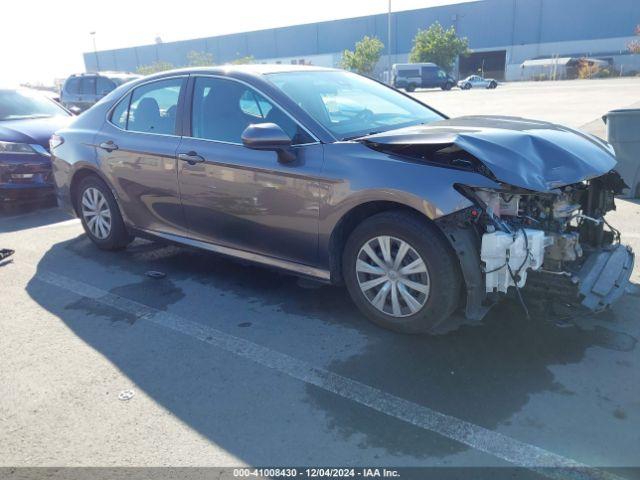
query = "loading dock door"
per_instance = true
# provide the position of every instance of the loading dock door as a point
(492, 63)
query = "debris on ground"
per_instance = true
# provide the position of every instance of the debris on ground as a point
(126, 395)
(4, 254)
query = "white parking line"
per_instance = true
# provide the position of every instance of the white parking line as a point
(501, 446)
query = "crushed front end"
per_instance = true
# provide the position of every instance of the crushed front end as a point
(556, 244)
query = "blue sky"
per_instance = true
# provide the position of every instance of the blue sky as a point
(39, 48)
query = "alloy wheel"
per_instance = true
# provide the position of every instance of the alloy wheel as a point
(392, 276)
(96, 213)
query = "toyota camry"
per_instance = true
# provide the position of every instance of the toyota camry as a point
(334, 176)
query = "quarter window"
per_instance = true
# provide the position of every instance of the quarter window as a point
(153, 107)
(119, 114)
(223, 109)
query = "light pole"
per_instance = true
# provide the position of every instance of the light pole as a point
(95, 50)
(389, 45)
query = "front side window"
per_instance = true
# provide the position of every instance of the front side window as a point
(223, 109)
(350, 105)
(153, 107)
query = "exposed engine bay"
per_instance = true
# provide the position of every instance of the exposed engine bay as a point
(540, 228)
(557, 244)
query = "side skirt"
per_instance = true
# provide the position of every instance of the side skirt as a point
(292, 267)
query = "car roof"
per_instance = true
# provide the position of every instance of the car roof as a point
(105, 74)
(249, 69)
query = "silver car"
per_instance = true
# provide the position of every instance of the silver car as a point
(476, 81)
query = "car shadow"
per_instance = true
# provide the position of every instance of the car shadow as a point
(483, 373)
(30, 216)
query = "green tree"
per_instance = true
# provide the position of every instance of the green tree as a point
(243, 60)
(365, 56)
(154, 67)
(199, 59)
(439, 46)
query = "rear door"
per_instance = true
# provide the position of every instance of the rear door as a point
(242, 198)
(137, 151)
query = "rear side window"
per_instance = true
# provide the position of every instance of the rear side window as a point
(153, 107)
(73, 86)
(408, 73)
(104, 86)
(88, 85)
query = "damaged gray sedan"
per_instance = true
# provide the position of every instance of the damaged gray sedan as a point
(334, 176)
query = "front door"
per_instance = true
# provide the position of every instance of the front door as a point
(137, 151)
(241, 198)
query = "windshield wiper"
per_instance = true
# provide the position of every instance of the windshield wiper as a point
(353, 137)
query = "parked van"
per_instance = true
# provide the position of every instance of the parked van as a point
(420, 75)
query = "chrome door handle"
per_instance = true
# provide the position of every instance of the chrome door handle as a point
(109, 146)
(191, 158)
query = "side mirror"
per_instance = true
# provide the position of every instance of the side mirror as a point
(269, 136)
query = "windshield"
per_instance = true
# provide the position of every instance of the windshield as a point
(349, 105)
(21, 104)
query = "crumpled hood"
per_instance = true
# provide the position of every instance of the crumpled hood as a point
(33, 131)
(530, 154)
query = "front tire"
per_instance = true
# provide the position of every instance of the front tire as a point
(401, 273)
(100, 215)
(447, 86)
(411, 87)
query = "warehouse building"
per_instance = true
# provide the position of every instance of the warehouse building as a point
(503, 35)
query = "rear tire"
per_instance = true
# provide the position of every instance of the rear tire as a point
(493, 85)
(447, 86)
(100, 215)
(427, 272)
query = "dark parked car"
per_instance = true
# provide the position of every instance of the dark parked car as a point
(27, 121)
(79, 92)
(331, 175)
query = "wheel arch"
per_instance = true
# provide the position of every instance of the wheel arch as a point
(83, 171)
(354, 217)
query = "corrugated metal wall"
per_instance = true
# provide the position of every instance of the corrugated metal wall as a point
(487, 24)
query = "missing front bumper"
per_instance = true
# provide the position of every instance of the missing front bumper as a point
(602, 280)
